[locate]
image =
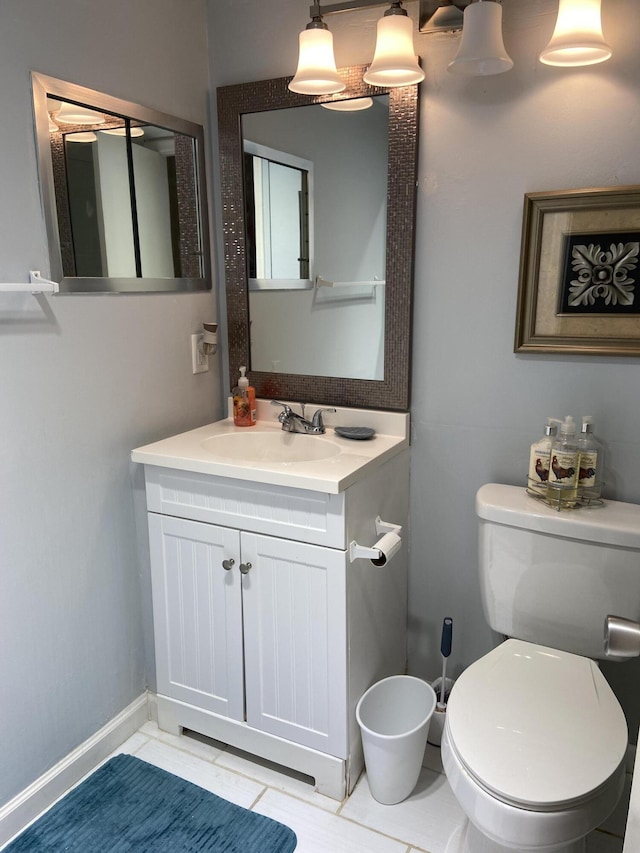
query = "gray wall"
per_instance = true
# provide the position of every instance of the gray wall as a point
(476, 406)
(83, 380)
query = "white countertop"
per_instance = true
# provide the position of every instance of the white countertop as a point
(191, 451)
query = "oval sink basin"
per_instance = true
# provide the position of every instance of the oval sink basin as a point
(270, 447)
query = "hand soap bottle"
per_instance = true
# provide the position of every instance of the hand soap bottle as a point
(540, 459)
(591, 461)
(562, 492)
(244, 402)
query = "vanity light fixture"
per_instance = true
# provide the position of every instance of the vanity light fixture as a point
(481, 50)
(394, 62)
(76, 114)
(577, 38)
(316, 73)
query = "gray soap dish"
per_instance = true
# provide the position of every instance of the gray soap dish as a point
(357, 433)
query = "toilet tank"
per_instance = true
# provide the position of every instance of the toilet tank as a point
(553, 577)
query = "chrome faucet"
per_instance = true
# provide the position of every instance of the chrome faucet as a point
(293, 422)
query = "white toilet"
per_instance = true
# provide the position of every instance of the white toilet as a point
(534, 741)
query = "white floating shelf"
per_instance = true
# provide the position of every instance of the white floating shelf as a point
(322, 282)
(36, 284)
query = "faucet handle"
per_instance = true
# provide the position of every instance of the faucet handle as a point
(317, 418)
(286, 410)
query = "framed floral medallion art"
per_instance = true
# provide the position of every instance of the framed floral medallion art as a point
(579, 288)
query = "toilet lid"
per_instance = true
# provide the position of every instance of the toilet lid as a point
(536, 727)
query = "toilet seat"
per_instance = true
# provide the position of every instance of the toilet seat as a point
(537, 728)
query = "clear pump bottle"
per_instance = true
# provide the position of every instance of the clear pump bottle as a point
(562, 491)
(591, 462)
(540, 459)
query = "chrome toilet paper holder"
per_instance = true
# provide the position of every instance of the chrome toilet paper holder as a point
(388, 544)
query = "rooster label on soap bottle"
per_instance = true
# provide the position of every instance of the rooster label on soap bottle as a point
(540, 458)
(587, 469)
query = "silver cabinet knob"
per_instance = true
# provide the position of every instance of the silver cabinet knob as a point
(245, 568)
(227, 565)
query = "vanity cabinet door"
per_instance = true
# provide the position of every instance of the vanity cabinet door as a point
(197, 612)
(295, 625)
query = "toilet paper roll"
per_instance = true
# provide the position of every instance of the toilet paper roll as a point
(388, 545)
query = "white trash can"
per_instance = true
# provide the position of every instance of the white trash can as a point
(394, 716)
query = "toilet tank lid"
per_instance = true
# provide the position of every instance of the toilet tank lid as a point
(615, 523)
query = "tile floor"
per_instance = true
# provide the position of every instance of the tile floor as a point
(426, 821)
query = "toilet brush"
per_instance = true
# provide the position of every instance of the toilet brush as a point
(442, 686)
(445, 651)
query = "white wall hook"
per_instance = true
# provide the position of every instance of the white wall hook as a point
(45, 284)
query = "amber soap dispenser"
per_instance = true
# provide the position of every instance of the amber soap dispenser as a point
(244, 402)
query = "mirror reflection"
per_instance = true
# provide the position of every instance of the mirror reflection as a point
(320, 312)
(122, 191)
(126, 197)
(279, 215)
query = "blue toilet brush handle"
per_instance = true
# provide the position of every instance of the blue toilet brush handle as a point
(447, 633)
(445, 651)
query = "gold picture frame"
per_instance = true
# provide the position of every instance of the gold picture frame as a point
(579, 284)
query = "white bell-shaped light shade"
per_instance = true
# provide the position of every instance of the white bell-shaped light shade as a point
(81, 136)
(74, 114)
(353, 105)
(481, 50)
(577, 38)
(394, 62)
(317, 73)
(122, 131)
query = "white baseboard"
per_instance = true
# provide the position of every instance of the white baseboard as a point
(152, 706)
(41, 794)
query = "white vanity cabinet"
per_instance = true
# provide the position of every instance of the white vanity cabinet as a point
(242, 622)
(266, 633)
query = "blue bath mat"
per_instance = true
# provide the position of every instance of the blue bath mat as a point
(129, 806)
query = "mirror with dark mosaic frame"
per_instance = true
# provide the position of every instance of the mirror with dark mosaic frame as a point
(392, 391)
